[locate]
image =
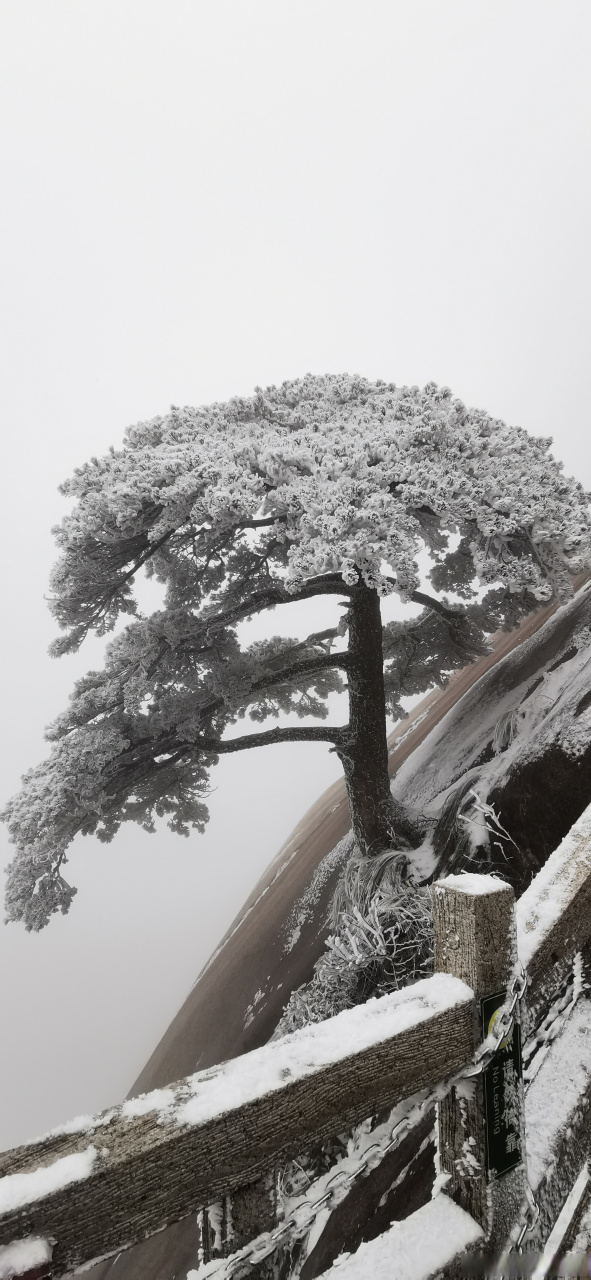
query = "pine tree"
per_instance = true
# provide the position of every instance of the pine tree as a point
(324, 486)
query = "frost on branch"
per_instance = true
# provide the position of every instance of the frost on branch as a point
(129, 745)
(423, 652)
(327, 485)
(337, 475)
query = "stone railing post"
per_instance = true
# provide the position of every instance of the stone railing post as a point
(234, 1221)
(481, 1122)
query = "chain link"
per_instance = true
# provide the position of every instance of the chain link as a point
(502, 1028)
(529, 1217)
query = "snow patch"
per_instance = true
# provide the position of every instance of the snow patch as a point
(543, 716)
(308, 1050)
(23, 1255)
(469, 882)
(19, 1189)
(215, 1215)
(414, 1249)
(294, 936)
(556, 1238)
(555, 1092)
(544, 901)
(158, 1100)
(422, 861)
(250, 1008)
(80, 1124)
(303, 909)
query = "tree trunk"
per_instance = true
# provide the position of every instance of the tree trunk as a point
(365, 755)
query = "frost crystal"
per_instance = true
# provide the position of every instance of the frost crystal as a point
(323, 485)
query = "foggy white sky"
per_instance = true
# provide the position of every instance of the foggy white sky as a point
(203, 195)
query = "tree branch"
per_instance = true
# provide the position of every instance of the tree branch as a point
(327, 584)
(262, 523)
(309, 667)
(419, 597)
(322, 663)
(270, 736)
(107, 596)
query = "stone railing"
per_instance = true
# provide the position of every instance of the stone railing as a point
(217, 1138)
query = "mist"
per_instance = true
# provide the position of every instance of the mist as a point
(200, 197)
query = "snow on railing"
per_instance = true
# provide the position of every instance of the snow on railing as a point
(554, 915)
(102, 1183)
(30, 1257)
(157, 1158)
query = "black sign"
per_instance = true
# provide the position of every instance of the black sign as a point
(502, 1086)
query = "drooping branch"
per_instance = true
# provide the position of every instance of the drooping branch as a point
(163, 758)
(88, 606)
(108, 595)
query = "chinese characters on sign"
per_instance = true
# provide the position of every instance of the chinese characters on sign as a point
(502, 1082)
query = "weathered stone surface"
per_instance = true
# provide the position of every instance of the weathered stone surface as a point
(547, 944)
(558, 1116)
(475, 938)
(151, 1171)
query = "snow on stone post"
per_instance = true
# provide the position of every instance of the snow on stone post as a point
(233, 1222)
(481, 1122)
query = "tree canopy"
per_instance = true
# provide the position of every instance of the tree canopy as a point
(323, 486)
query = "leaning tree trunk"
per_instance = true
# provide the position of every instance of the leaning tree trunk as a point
(376, 822)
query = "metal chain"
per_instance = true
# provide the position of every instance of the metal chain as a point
(528, 1218)
(296, 1226)
(502, 1028)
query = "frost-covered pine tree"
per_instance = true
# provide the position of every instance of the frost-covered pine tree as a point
(323, 486)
